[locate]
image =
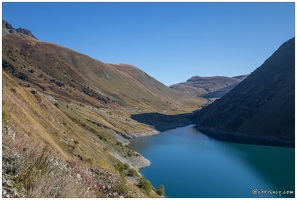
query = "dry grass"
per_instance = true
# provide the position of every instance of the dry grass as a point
(43, 144)
(42, 127)
(37, 172)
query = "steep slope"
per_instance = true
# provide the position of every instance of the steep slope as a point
(79, 111)
(48, 154)
(241, 77)
(220, 92)
(261, 109)
(54, 65)
(199, 86)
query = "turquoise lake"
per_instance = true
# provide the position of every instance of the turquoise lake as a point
(191, 164)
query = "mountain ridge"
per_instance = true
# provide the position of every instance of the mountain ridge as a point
(7, 28)
(202, 86)
(80, 111)
(261, 108)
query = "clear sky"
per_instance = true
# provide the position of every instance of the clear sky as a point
(170, 41)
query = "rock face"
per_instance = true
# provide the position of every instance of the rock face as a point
(261, 108)
(7, 28)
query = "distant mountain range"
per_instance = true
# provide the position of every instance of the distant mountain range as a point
(208, 87)
(261, 109)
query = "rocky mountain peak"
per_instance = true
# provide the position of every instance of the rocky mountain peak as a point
(7, 28)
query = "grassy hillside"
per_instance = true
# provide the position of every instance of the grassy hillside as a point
(77, 113)
(37, 135)
(58, 67)
(76, 79)
(202, 86)
(261, 109)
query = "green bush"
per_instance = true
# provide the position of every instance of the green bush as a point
(145, 184)
(102, 138)
(4, 116)
(122, 188)
(133, 173)
(121, 167)
(160, 190)
(126, 166)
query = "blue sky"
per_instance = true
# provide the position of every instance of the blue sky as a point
(170, 41)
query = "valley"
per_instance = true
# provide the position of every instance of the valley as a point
(84, 110)
(68, 119)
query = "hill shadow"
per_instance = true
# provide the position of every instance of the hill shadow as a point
(163, 122)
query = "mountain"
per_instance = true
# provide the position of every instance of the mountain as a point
(7, 28)
(67, 119)
(205, 86)
(73, 72)
(261, 109)
(221, 92)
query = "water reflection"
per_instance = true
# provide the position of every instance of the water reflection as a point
(274, 165)
(190, 164)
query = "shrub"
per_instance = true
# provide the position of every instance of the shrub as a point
(102, 138)
(145, 184)
(126, 166)
(121, 187)
(4, 116)
(57, 105)
(13, 90)
(60, 84)
(160, 190)
(90, 160)
(121, 167)
(22, 76)
(133, 173)
(119, 143)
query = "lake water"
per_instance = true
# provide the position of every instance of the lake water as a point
(190, 164)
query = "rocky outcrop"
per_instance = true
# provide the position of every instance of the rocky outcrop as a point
(7, 28)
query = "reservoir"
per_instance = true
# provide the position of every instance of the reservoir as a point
(191, 164)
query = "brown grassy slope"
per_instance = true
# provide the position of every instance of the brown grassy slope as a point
(41, 119)
(197, 86)
(261, 106)
(49, 106)
(109, 93)
(27, 112)
(80, 107)
(123, 84)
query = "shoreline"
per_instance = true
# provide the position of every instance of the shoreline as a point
(244, 138)
(140, 162)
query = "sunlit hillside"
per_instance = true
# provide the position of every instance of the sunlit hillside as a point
(80, 111)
